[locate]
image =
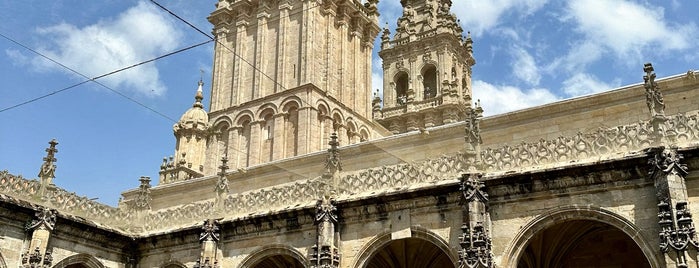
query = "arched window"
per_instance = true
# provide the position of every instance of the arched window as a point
(401, 88)
(429, 81)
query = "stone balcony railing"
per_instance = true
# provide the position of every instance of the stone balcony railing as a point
(611, 143)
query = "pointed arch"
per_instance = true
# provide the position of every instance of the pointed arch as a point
(173, 264)
(571, 213)
(270, 251)
(371, 248)
(86, 260)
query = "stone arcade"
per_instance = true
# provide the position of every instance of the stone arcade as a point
(296, 164)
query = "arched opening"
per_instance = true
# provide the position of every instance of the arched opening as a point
(401, 88)
(222, 139)
(429, 81)
(325, 125)
(76, 265)
(267, 137)
(582, 243)
(278, 261)
(79, 261)
(409, 253)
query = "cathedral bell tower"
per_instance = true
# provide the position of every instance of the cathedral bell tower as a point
(286, 74)
(426, 68)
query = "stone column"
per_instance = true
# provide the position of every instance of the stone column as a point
(325, 253)
(255, 146)
(307, 127)
(677, 233)
(209, 239)
(284, 8)
(240, 67)
(475, 241)
(260, 80)
(279, 142)
(233, 146)
(38, 254)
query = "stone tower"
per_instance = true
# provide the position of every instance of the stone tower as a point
(191, 132)
(426, 68)
(286, 74)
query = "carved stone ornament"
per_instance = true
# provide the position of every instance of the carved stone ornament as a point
(43, 218)
(143, 199)
(325, 210)
(332, 163)
(210, 231)
(654, 98)
(667, 161)
(475, 241)
(473, 129)
(48, 168)
(207, 264)
(222, 183)
(35, 260)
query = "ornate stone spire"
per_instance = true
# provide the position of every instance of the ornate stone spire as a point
(143, 200)
(654, 100)
(199, 96)
(48, 168)
(221, 189)
(332, 163)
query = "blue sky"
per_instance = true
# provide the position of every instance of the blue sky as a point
(528, 52)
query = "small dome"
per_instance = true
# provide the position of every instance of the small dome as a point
(196, 117)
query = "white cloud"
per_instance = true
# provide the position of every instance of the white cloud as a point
(578, 58)
(584, 84)
(497, 99)
(139, 33)
(479, 16)
(524, 66)
(627, 28)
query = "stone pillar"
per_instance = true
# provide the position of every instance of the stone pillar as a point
(255, 146)
(209, 239)
(325, 253)
(260, 80)
(677, 233)
(233, 146)
(284, 9)
(307, 127)
(475, 241)
(279, 142)
(240, 67)
(38, 254)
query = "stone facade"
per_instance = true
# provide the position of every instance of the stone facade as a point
(293, 174)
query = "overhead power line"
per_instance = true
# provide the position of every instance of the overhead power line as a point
(94, 79)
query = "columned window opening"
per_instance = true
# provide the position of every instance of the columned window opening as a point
(429, 81)
(401, 88)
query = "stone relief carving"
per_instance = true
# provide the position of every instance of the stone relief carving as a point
(475, 241)
(44, 218)
(525, 156)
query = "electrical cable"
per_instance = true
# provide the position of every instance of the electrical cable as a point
(94, 79)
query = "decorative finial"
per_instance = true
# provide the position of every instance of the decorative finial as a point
(143, 199)
(332, 164)
(223, 167)
(200, 96)
(654, 100)
(48, 168)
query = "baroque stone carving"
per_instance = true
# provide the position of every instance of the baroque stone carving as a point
(677, 230)
(209, 231)
(44, 218)
(35, 259)
(324, 253)
(143, 200)
(475, 241)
